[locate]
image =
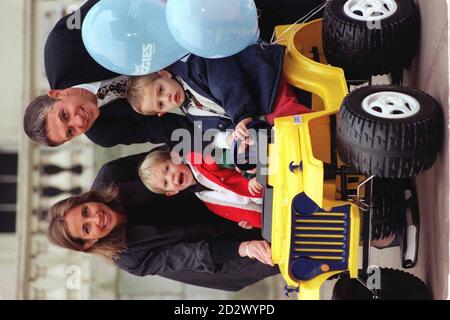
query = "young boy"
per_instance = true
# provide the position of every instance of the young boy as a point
(222, 93)
(224, 191)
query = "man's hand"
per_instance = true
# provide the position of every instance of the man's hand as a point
(254, 186)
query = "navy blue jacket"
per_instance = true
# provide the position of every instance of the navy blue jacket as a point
(245, 84)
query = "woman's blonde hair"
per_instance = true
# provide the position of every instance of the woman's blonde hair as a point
(109, 246)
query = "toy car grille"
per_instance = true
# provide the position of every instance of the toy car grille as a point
(320, 238)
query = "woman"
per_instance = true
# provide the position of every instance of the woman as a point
(174, 246)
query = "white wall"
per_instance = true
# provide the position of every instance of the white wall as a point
(11, 93)
(8, 266)
(11, 62)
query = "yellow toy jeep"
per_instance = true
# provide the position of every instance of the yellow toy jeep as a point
(320, 186)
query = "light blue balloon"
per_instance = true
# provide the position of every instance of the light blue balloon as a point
(213, 28)
(130, 37)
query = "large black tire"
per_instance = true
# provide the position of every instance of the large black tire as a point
(395, 285)
(379, 144)
(364, 48)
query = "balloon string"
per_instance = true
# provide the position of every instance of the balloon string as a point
(303, 19)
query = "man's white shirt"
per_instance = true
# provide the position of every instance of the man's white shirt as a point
(95, 86)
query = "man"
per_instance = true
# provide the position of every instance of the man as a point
(64, 114)
(79, 87)
(86, 85)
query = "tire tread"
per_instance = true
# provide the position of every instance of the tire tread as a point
(389, 150)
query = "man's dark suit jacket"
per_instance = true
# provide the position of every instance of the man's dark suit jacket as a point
(177, 237)
(272, 13)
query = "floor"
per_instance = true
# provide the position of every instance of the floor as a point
(431, 74)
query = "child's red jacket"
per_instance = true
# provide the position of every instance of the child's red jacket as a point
(228, 196)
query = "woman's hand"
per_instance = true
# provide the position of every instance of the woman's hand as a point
(257, 250)
(245, 225)
(241, 131)
(254, 187)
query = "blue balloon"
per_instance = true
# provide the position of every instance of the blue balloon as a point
(213, 28)
(130, 37)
